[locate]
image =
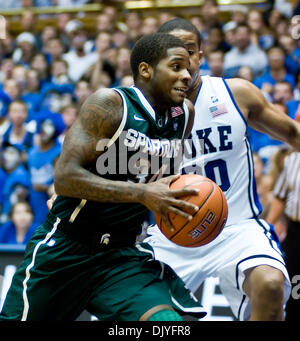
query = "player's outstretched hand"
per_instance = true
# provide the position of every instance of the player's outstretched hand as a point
(160, 199)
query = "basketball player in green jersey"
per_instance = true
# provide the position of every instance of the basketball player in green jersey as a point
(84, 256)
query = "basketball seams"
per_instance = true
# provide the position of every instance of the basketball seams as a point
(216, 225)
(160, 224)
(203, 228)
(187, 198)
(212, 190)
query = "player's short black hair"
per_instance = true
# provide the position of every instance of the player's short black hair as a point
(151, 48)
(180, 24)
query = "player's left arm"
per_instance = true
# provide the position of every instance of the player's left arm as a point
(263, 115)
(190, 122)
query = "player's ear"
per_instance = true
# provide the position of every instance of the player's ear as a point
(145, 70)
(200, 56)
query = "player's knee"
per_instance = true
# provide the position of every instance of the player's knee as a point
(162, 312)
(270, 288)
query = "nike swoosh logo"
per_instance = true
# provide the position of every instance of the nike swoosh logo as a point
(138, 118)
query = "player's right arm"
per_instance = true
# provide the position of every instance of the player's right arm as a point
(263, 115)
(99, 118)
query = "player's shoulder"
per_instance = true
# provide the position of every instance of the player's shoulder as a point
(104, 95)
(104, 101)
(102, 109)
(238, 85)
(245, 93)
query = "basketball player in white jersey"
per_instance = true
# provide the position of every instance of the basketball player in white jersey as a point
(245, 256)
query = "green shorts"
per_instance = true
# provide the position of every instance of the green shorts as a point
(60, 277)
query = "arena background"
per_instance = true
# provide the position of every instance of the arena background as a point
(87, 13)
(11, 255)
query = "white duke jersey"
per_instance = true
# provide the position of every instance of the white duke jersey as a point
(219, 149)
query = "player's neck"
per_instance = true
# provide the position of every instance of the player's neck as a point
(161, 109)
(194, 88)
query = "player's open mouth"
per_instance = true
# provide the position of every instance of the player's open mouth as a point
(181, 91)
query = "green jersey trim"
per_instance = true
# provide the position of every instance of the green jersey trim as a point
(77, 210)
(123, 122)
(145, 102)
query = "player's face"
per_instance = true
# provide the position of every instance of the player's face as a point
(171, 78)
(191, 42)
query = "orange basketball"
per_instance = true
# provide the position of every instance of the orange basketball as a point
(207, 222)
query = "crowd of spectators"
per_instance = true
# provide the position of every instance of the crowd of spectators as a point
(46, 75)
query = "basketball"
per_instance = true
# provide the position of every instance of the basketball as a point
(207, 223)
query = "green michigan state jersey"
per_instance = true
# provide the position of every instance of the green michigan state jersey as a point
(143, 149)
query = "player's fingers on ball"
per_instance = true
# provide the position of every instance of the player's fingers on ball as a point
(169, 179)
(174, 178)
(181, 213)
(167, 222)
(185, 191)
(186, 206)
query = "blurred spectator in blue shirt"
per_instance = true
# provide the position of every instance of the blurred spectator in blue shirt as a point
(17, 133)
(216, 40)
(292, 50)
(11, 88)
(215, 60)
(59, 74)
(261, 34)
(54, 49)
(16, 182)
(25, 50)
(276, 70)
(40, 64)
(31, 94)
(283, 92)
(59, 89)
(6, 68)
(19, 75)
(10, 93)
(244, 53)
(48, 32)
(20, 227)
(41, 162)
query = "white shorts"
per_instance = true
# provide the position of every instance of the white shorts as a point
(238, 248)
